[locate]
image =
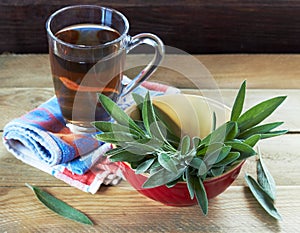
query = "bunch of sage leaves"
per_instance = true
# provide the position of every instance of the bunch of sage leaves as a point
(150, 146)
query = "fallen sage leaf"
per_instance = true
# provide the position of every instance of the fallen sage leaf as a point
(265, 178)
(59, 207)
(262, 197)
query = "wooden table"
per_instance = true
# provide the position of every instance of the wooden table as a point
(26, 83)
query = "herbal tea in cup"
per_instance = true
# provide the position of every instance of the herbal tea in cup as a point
(87, 47)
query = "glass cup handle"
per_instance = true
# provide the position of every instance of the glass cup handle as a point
(157, 44)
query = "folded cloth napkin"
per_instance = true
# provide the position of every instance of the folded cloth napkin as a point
(41, 139)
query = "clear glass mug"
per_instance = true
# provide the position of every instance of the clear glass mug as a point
(87, 49)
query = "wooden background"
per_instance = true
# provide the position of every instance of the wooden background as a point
(26, 83)
(196, 26)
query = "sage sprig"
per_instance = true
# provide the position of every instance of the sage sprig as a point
(152, 144)
(262, 197)
(59, 207)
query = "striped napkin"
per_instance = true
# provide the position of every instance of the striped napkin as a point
(41, 139)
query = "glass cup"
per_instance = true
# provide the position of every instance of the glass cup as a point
(87, 49)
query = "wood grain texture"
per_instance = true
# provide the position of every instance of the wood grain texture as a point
(26, 83)
(116, 209)
(183, 71)
(226, 26)
(18, 101)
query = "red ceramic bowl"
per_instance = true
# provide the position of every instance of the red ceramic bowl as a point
(179, 195)
(191, 114)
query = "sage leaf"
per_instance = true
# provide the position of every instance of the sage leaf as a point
(214, 122)
(251, 141)
(155, 166)
(138, 99)
(114, 151)
(196, 162)
(153, 127)
(244, 149)
(185, 145)
(219, 134)
(217, 171)
(273, 134)
(117, 113)
(161, 177)
(167, 162)
(231, 157)
(173, 130)
(209, 148)
(144, 166)
(217, 155)
(190, 182)
(106, 126)
(200, 165)
(59, 207)
(200, 194)
(265, 178)
(116, 137)
(238, 103)
(126, 156)
(261, 129)
(259, 112)
(143, 146)
(233, 132)
(262, 197)
(196, 142)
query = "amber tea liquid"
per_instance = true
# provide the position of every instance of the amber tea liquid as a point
(79, 76)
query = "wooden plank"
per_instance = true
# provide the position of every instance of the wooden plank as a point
(113, 210)
(17, 101)
(288, 111)
(226, 26)
(183, 71)
(278, 153)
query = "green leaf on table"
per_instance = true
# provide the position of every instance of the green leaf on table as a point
(59, 207)
(118, 114)
(262, 197)
(238, 103)
(259, 112)
(265, 178)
